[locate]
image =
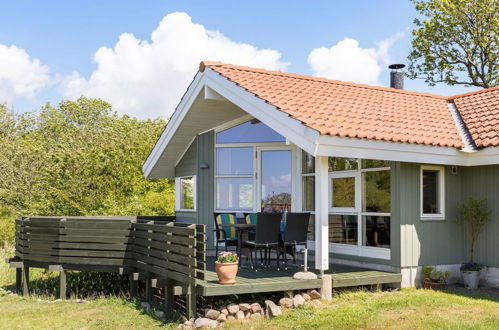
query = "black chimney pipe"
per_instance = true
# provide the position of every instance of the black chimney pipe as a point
(397, 76)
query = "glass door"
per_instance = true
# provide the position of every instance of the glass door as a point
(274, 178)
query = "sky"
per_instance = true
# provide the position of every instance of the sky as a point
(141, 55)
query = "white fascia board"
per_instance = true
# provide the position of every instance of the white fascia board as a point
(171, 127)
(488, 156)
(394, 151)
(292, 129)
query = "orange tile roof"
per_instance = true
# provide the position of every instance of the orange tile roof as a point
(352, 110)
(480, 112)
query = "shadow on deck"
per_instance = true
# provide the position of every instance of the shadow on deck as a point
(271, 280)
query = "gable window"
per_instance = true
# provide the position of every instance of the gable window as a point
(185, 193)
(432, 192)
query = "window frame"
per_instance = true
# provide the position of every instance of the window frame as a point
(178, 193)
(441, 193)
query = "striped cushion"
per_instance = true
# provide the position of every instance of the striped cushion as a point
(251, 219)
(226, 218)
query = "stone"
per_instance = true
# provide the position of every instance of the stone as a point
(159, 314)
(212, 314)
(222, 318)
(286, 302)
(79, 301)
(224, 311)
(271, 309)
(327, 287)
(230, 318)
(233, 309)
(298, 300)
(256, 316)
(240, 315)
(204, 322)
(315, 302)
(145, 305)
(304, 276)
(306, 296)
(247, 315)
(314, 294)
(244, 307)
(256, 308)
(188, 325)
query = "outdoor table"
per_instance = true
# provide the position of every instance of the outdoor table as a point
(240, 228)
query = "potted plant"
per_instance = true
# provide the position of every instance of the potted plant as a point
(433, 279)
(475, 214)
(226, 267)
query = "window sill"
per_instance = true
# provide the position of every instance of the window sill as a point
(191, 211)
(436, 217)
(355, 250)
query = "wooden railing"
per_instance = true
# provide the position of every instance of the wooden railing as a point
(146, 247)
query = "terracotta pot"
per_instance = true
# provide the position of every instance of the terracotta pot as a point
(429, 284)
(226, 272)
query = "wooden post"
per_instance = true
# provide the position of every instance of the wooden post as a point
(149, 287)
(321, 214)
(19, 277)
(168, 296)
(62, 284)
(133, 286)
(190, 302)
(25, 281)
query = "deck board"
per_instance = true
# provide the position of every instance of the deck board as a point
(271, 280)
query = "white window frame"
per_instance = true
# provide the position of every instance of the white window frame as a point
(441, 193)
(178, 193)
(347, 249)
(257, 147)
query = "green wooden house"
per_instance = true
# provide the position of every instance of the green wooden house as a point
(382, 170)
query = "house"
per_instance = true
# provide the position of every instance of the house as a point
(382, 170)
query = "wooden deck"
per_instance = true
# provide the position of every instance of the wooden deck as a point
(271, 280)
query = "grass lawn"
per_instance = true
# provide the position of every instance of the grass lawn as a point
(404, 309)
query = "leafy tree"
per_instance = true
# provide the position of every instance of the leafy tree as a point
(79, 158)
(475, 214)
(456, 42)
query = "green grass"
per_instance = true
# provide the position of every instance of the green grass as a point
(404, 309)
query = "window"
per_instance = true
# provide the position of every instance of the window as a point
(251, 131)
(185, 193)
(432, 193)
(359, 203)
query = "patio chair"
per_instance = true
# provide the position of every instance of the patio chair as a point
(225, 235)
(295, 234)
(266, 237)
(250, 218)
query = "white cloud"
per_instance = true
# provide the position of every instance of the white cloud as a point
(20, 75)
(147, 78)
(348, 61)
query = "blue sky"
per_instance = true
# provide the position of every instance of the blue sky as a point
(65, 35)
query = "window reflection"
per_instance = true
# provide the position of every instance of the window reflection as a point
(235, 194)
(376, 197)
(234, 161)
(376, 231)
(343, 192)
(342, 164)
(343, 229)
(250, 131)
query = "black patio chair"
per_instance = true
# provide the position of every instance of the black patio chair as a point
(226, 235)
(294, 234)
(266, 237)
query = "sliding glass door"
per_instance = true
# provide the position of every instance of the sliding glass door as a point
(274, 178)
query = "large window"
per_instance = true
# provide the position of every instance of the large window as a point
(432, 193)
(359, 200)
(185, 189)
(241, 152)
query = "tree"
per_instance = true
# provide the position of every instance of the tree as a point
(79, 158)
(475, 214)
(456, 42)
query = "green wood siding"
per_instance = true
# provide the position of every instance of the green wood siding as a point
(188, 166)
(206, 183)
(429, 242)
(483, 182)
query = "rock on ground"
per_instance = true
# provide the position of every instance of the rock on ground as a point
(222, 318)
(233, 309)
(271, 309)
(256, 308)
(286, 302)
(230, 318)
(314, 294)
(240, 315)
(212, 314)
(306, 296)
(256, 316)
(159, 314)
(298, 300)
(145, 305)
(244, 307)
(305, 276)
(204, 322)
(224, 311)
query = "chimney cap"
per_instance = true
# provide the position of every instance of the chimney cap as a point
(396, 66)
